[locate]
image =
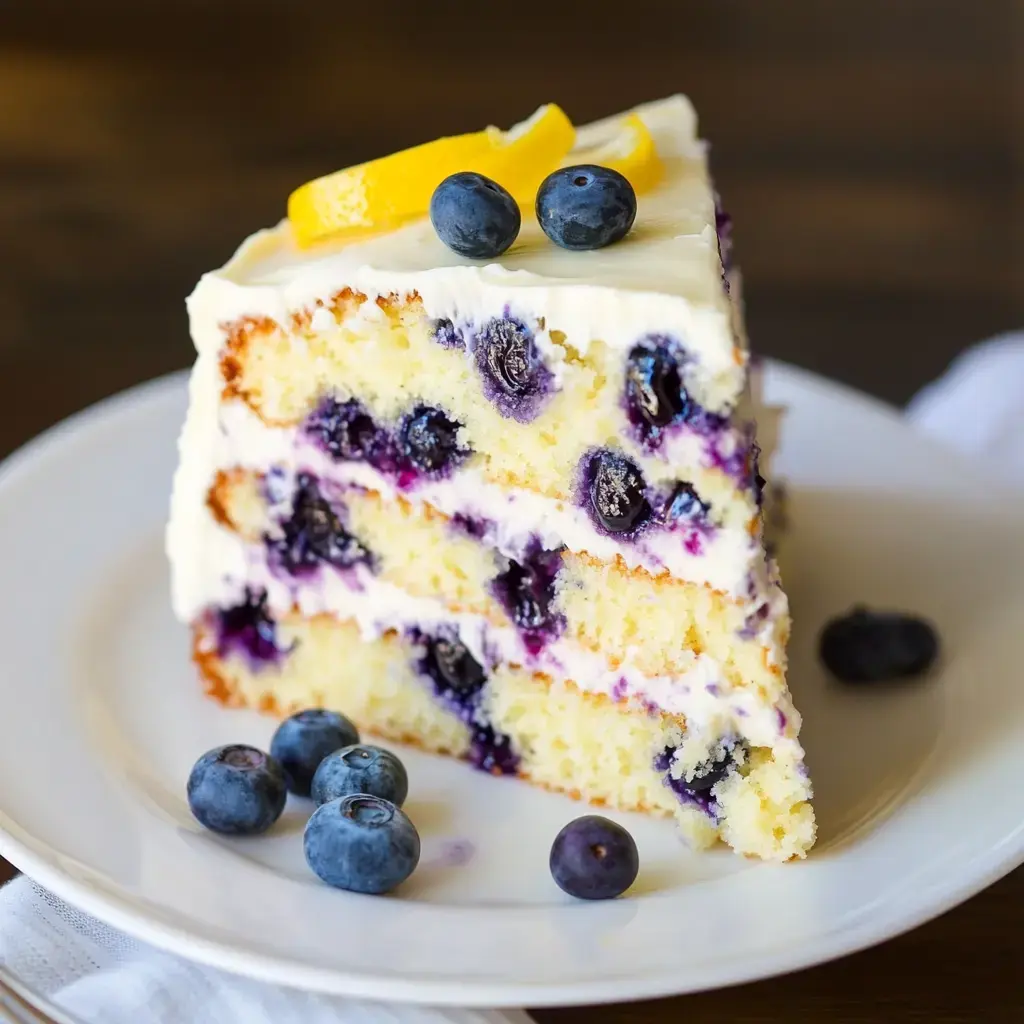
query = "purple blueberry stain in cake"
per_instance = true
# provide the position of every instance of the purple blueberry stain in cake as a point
(514, 375)
(491, 751)
(723, 234)
(526, 590)
(693, 543)
(474, 527)
(347, 433)
(734, 452)
(446, 334)
(428, 445)
(698, 789)
(755, 621)
(313, 534)
(723, 230)
(248, 629)
(458, 680)
(620, 689)
(613, 492)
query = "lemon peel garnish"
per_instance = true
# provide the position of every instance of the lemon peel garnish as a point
(631, 151)
(383, 194)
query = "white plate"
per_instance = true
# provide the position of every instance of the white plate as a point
(918, 786)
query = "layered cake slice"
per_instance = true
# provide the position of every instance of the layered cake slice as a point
(508, 509)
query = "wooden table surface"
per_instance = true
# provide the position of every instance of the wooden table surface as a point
(867, 149)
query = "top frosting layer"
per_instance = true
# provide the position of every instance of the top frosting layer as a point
(664, 277)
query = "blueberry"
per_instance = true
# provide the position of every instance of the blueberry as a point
(453, 667)
(458, 680)
(313, 533)
(529, 598)
(237, 790)
(304, 740)
(515, 377)
(685, 506)
(866, 646)
(708, 774)
(474, 216)
(585, 207)
(472, 526)
(593, 858)
(615, 488)
(527, 591)
(346, 431)
(697, 788)
(446, 334)
(360, 768)
(361, 843)
(429, 440)
(248, 627)
(654, 390)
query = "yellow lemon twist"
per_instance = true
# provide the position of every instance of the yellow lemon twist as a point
(385, 193)
(631, 151)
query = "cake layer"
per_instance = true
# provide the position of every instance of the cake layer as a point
(755, 798)
(655, 625)
(526, 407)
(710, 693)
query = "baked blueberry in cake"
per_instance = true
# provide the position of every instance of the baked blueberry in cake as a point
(498, 487)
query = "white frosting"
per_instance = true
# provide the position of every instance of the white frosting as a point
(664, 277)
(700, 692)
(729, 559)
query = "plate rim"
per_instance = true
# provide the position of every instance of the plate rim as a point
(120, 911)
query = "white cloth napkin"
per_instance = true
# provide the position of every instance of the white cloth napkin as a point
(977, 407)
(100, 975)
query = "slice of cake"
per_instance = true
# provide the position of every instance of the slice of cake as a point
(506, 510)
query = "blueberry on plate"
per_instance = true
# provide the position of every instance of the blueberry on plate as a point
(593, 858)
(237, 790)
(866, 646)
(585, 207)
(361, 768)
(474, 216)
(304, 740)
(361, 843)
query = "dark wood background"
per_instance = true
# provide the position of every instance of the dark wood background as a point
(868, 149)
